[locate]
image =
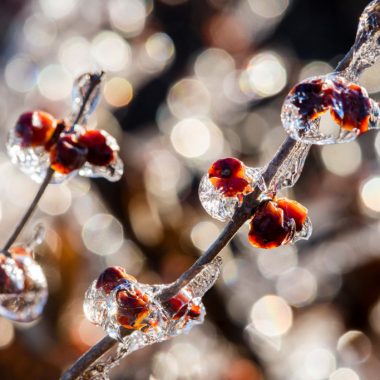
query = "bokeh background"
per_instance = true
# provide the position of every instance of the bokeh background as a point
(188, 82)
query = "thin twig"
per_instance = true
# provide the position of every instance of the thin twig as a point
(29, 211)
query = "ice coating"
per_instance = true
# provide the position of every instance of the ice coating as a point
(351, 111)
(11, 276)
(81, 87)
(170, 320)
(366, 48)
(220, 206)
(27, 304)
(290, 170)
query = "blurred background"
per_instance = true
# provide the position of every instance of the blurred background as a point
(188, 82)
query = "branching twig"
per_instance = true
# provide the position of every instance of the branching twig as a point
(241, 215)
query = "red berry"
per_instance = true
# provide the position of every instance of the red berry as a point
(293, 210)
(99, 152)
(68, 154)
(177, 306)
(133, 308)
(351, 107)
(112, 277)
(228, 175)
(269, 227)
(35, 128)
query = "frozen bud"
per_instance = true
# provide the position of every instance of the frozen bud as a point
(278, 222)
(222, 189)
(350, 108)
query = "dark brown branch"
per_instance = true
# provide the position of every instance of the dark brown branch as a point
(29, 211)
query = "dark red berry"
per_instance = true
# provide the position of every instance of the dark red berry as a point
(311, 98)
(269, 228)
(293, 210)
(350, 107)
(99, 152)
(112, 277)
(228, 176)
(35, 128)
(68, 154)
(133, 308)
(177, 306)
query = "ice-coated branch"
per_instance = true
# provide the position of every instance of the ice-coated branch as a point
(364, 52)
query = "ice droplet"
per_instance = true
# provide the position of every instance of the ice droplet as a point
(352, 111)
(172, 318)
(305, 233)
(223, 207)
(27, 304)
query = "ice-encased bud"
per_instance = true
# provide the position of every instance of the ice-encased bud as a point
(176, 316)
(221, 190)
(278, 222)
(127, 306)
(27, 304)
(352, 111)
(135, 307)
(82, 86)
(103, 156)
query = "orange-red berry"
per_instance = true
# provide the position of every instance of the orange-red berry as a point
(99, 152)
(35, 128)
(228, 176)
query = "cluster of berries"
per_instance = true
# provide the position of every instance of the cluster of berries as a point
(275, 221)
(39, 142)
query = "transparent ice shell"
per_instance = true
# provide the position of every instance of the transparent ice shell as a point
(305, 128)
(11, 276)
(220, 206)
(81, 87)
(26, 305)
(98, 308)
(113, 171)
(33, 161)
(305, 232)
